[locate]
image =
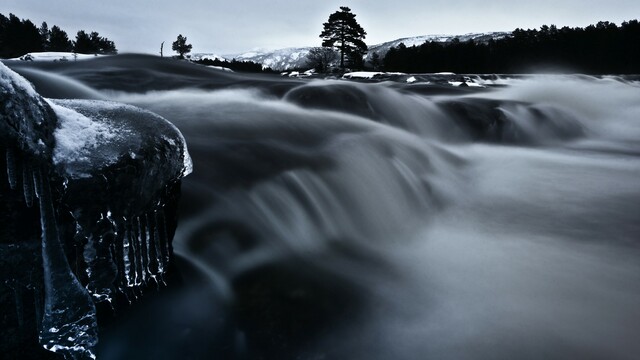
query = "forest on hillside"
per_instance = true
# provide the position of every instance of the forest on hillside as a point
(604, 48)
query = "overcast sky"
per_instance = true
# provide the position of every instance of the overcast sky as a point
(227, 27)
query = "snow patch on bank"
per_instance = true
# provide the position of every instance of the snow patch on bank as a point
(368, 74)
(55, 56)
(220, 68)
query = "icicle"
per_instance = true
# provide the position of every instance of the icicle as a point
(27, 184)
(144, 253)
(11, 168)
(120, 255)
(125, 274)
(160, 256)
(117, 254)
(69, 320)
(89, 254)
(126, 252)
(98, 255)
(36, 184)
(135, 252)
(155, 264)
(116, 262)
(151, 269)
(164, 240)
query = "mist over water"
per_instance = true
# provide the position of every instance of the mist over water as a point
(334, 219)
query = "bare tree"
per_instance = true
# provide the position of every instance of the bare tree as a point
(376, 63)
(321, 58)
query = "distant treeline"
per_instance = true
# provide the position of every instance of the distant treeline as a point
(597, 49)
(236, 65)
(18, 37)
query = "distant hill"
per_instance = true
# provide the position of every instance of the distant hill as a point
(278, 60)
(296, 58)
(383, 48)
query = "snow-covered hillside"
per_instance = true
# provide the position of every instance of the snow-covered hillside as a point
(279, 60)
(383, 48)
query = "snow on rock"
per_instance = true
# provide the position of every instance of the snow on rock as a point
(77, 136)
(370, 75)
(362, 75)
(298, 74)
(467, 81)
(473, 84)
(93, 134)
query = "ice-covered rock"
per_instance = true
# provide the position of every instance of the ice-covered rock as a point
(131, 160)
(106, 180)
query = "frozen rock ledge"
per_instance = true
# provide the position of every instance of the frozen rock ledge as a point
(88, 183)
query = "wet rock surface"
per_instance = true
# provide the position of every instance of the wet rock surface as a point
(89, 195)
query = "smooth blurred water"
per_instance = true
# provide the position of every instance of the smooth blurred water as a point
(334, 219)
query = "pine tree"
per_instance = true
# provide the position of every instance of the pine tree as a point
(102, 44)
(93, 44)
(19, 37)
(4, 23)
(343, 33)
(83, 44)
(32, 42)
(58, 40)
(44, 35)
(181, 47)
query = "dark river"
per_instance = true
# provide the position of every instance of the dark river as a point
(339, 219)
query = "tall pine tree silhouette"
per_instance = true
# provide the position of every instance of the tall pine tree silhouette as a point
(343, 33)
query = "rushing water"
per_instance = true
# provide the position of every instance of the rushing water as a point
(330, 219)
